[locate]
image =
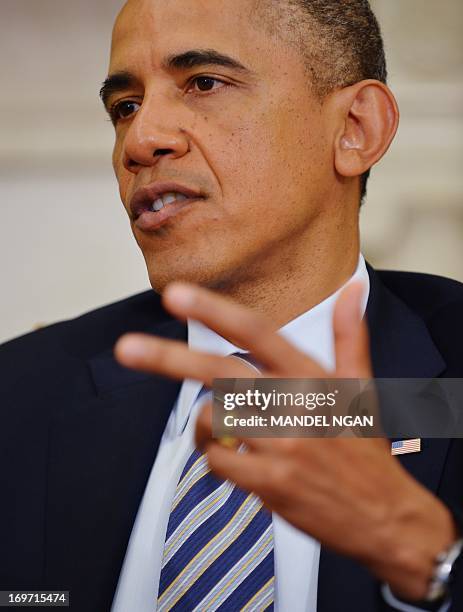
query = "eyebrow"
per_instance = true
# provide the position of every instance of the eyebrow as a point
(115, 83)
(202, 57)
(122, 80)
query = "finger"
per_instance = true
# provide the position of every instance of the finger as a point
(242, 327)
(351, 335)
(249, 471)
(203, 429)
(204, 433)
(174, 359)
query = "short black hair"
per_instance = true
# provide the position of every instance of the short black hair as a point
(341, 41)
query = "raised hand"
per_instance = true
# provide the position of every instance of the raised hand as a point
(348, 493)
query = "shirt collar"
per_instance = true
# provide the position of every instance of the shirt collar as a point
(311, 332)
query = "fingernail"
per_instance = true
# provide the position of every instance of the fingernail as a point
(181, 295)
(354, 306)
(130, 348)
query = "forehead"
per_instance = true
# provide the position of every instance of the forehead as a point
(148, 30)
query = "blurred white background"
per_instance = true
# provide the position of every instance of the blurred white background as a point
(65, 242)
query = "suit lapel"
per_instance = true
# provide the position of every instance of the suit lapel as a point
(401, 347)
(101, 453)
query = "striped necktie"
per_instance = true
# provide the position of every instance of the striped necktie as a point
(218, 553)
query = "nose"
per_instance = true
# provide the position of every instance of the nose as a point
(154, 133)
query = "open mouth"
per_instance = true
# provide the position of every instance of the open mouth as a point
(154, 205)
(166, 199)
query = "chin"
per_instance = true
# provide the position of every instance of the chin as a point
(219, 269)
(191, 272)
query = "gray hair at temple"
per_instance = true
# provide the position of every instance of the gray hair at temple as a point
(340, 39)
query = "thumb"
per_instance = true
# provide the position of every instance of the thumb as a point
(351, 334)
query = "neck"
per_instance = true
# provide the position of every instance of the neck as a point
(281, 287)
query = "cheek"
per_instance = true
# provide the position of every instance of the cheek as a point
(243, 169)
(123, 176)
(272, 157)
(242, 151)
(298, 150)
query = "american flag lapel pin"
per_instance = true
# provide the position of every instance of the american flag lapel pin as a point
(403, 447)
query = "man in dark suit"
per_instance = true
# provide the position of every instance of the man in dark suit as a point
(245, 132)
(80, 434)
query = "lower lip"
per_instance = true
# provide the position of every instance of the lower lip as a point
(150, 221)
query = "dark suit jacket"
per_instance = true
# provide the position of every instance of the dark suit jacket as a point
(79, 435)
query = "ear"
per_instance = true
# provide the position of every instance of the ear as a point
(369, 121)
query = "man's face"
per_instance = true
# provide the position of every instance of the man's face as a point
(218, 110)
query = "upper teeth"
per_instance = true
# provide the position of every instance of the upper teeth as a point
(167, 198)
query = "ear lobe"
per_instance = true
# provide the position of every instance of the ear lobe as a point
(371, 118)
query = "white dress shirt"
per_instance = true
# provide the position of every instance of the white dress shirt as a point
(296, 554)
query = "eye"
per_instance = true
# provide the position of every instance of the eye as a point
(206, 83)
(123, 110)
